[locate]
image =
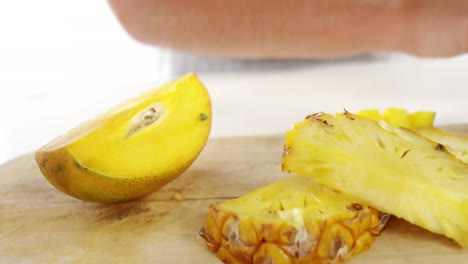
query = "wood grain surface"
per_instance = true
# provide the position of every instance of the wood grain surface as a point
(39, 224)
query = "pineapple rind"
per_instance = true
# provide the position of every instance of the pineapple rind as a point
(389, 168)
(293, 220)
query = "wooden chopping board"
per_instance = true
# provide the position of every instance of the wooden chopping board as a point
(38, 224)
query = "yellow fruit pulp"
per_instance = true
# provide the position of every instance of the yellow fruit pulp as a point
(134, 148)
(423, 123)
(178, 132)
(455, 144)
(398, 117)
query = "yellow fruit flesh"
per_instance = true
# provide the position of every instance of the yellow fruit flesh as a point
(423, 123)
(422, 119)
(392, 169)
(455, 144)
(398, 117)
(135, 148)
(294, 220)
(373, 114)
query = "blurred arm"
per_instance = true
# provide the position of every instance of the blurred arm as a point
(299, 28)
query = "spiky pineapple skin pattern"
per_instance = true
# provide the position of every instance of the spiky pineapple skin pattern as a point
(302, 223)
(392, 169)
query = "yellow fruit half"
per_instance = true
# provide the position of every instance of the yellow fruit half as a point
(293, 220)
(135, 148)
(392, 169)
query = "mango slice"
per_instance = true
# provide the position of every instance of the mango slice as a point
(133, 149)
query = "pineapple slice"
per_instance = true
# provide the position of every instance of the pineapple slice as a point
(289, 221)
(392, 169)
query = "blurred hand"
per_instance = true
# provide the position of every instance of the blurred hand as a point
(299, 29)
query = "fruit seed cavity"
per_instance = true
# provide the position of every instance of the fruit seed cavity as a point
(145, 118)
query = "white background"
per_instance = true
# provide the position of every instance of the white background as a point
(51, 51)
(62, 62)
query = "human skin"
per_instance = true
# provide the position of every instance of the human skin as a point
(300, 28)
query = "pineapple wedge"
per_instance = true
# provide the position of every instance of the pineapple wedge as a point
(293, 220)
(392, 169)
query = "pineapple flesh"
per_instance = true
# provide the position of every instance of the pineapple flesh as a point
(392, 169)
(293, 220)
(423, 123)
(455, 144)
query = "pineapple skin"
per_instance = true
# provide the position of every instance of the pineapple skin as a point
(293, 220)
(392, 169)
